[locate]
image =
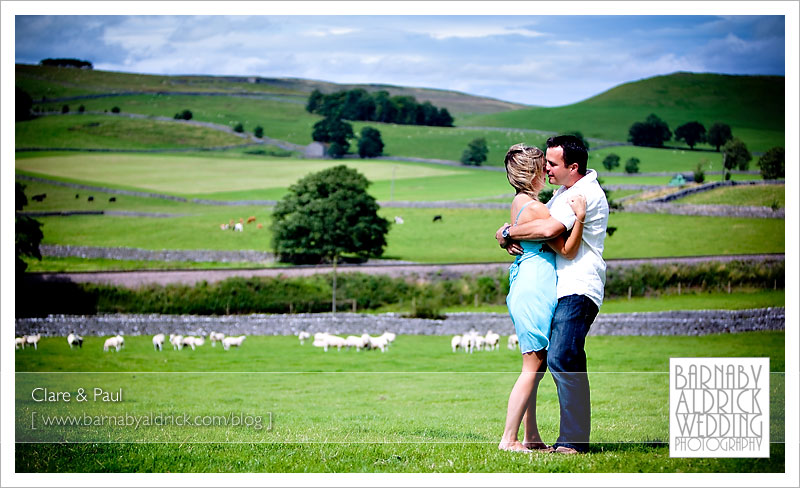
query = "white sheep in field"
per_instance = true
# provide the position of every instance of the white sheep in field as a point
(193, 341)
(158, 342)
(116, 342)
(19, 342)
(238, 227)
(321, 342)
(177, 341)
(379, 342)
(33, 339)
(74, 339)
(455, 342)
(469, 341)
(389, 336)
(303, 335)
(215, 337)
(229, 342)
(335, 341)
(513, 342)
(492, 340)
(355, 341)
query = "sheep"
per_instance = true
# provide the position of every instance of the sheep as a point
(116, 342)
(303, 335)
(335, 341)
(455, 342)
(238, 227)
(74, 340)
(233, 341)
(224, 226)
(158, 342)
(251, 219)
(33, 339)
(355, 341)
(177, 341)
(390, 336)
(492, 340)
(19, 342)
(378, 343)
(398, 220)
(193, 341)
(215, 337)
(513, 342)
(321, 341)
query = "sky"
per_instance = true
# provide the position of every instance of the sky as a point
(547, 60)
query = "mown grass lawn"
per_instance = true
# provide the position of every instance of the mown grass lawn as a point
(416, 408)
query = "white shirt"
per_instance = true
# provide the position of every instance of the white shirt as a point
(586, 274)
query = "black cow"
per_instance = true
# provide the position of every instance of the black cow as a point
(437, 217)
(40, 197)
(90, 199)
(112, 199)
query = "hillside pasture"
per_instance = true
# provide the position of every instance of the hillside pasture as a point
(417, 407)
(115, 132)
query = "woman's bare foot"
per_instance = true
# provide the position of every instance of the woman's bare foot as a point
(515, 446)
(536, 446)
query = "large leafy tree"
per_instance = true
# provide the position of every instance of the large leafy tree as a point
(370, 144)
(475, 153)
(336, 132)
(28, 233)
(719, 134)
(328, 214)
(23, 104)
(611, 161)
(691, 133)
(773, 164)
(653, 132)
(736, 155)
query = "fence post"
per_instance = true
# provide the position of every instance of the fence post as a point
(629, 293)
(679, 288)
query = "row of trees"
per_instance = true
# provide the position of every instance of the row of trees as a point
(654, 132)
(66, 63)
(358, 104)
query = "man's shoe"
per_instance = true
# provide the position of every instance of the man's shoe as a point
(565, 450)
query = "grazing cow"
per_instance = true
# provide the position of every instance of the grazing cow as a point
(437, 218)
(74, 340)
(398, 220)
(260, 226)
(251, 219)
(112, 199)
(90, 199)
(77, 196)
(39, 198)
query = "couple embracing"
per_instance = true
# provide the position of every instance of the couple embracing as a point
(557, 282)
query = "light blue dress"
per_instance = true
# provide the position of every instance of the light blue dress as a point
(532, 298)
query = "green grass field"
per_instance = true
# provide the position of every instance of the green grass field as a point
(336, 411)
(103, 132)
(765, 196)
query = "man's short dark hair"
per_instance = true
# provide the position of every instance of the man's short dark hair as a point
(574, 150)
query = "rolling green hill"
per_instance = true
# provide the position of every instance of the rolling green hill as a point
(752, 105)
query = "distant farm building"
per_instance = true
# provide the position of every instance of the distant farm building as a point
(316, 150)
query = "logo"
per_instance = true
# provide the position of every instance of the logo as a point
(719, 407)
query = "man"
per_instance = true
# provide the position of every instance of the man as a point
(580, 282)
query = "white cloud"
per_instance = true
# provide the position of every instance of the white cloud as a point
(475, 31)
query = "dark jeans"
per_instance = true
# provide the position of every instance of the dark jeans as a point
(566, 359)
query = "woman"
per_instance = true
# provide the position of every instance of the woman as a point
(532, 296)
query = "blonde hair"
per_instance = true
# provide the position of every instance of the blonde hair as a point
(525, 169)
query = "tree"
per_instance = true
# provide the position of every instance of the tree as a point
(314, 101)
(699, 174)
(115, 110)
(772, 164)
(258, 132)
(719, 134)
(691, 133)
(28, 233)
(66, 63)
(335, 131)
(611, 161)
(184, 115)
(370, 144)
(632, 165)
(65, 109)
(735, 155)
(325, 215)
(652, 132)
(81, 109)
(239, 127)
(475, 153)
(23, 104)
